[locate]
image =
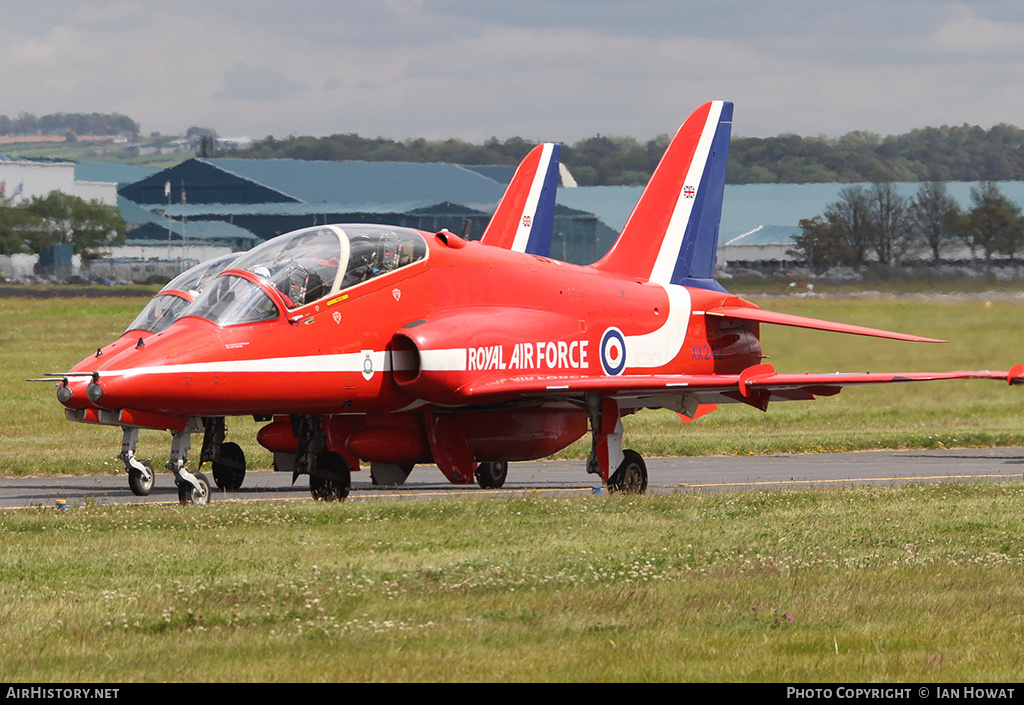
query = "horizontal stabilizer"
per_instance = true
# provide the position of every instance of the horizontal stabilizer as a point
(784, 319)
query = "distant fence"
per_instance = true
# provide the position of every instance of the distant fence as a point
(23, 268)
(134, 270)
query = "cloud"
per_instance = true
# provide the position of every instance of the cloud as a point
(966, 33)
(541, 69)
(265, 84)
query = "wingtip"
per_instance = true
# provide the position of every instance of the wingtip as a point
(1016, 375)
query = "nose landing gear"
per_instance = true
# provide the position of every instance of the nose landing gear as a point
(226, 459)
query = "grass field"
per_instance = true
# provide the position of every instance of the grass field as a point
(38, 336)
(896, 584)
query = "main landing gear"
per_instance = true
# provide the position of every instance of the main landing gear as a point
(491, 476)
(227, 461)
(329, 477)
(630, 474)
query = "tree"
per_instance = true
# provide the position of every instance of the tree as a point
(12, 223)
(994, 224)
(888, 222)
(934, 216)
(839, 236)
(861, 220)
(822, 243)
(58, 218)
(851, 214)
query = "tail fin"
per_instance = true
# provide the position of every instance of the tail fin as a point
(671, 236)
(525, 217)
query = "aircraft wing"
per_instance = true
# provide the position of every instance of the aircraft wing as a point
(756, 385)
(785, 319)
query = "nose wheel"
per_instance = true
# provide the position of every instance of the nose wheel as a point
(191, 494)
(141, 482)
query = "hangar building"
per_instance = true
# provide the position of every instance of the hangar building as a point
(273, 196)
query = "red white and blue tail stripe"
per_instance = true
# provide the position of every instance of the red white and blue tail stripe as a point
(671, 236)
(524, 219)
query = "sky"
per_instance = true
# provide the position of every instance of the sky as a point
(558, 70)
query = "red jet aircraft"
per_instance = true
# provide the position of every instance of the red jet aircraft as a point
(397, 347)
(522, 222)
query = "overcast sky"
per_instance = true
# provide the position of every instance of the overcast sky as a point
(554, 70)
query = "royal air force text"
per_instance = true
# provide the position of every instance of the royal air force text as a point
(543, 355)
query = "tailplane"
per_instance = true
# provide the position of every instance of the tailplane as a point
(671, 236)
(525, 217)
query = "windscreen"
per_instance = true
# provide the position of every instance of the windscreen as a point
(165, 308)
(231, 300)
(192, 280)
(159, 313)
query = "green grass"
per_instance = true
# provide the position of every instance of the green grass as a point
(80, 151)
(921, 283)
(913, 583)
(39, 336)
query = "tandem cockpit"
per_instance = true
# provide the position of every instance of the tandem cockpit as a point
(305, 266)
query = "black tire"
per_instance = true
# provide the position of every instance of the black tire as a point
(336, 487)
(631, 475)
(139, 485)
(491, 476)
(187, 494)
(229, 471)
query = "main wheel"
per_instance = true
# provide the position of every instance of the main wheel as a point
(335, 487)
(187, 494)
(229, 471)
(491, 476)
(140, 486)
(631, 475)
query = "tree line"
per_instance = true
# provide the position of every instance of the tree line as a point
(876, 223)
(965, 153)
(69, 123)
(947, 153)
(34, 224)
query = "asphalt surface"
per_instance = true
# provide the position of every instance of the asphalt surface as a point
(704, 474)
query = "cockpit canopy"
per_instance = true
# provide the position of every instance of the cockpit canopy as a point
(168, 304)
(305, 266)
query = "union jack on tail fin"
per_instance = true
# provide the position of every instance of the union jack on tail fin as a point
(671, 236)
(524, 219)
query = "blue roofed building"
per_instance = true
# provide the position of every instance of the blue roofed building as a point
(272, 196)
(268, 197)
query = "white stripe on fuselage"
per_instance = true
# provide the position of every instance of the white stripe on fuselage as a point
(648, 350)
(342, 362)
(659, 347)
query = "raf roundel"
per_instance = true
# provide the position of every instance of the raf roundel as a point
(613, 352)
